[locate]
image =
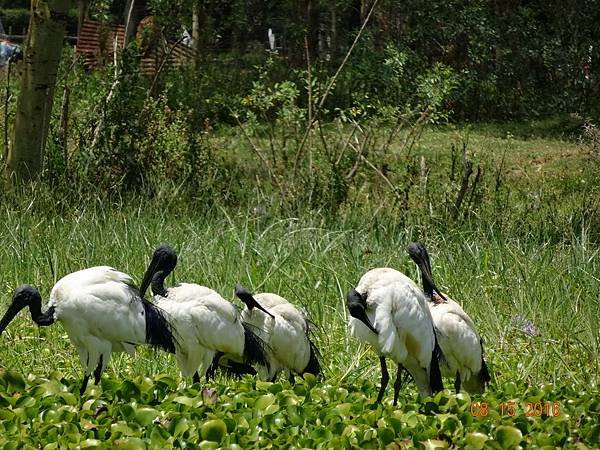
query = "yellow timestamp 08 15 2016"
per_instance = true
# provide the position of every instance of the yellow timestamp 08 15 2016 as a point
(511, 409)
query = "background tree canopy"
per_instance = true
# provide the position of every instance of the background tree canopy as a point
(511, 58)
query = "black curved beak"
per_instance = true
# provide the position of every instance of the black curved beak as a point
(9, 315)
(148, 275)
(357, 305)
(244, 295)
(418, 253)
(362, 316)
(426, 273)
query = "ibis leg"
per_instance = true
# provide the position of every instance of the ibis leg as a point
(385, 378)
(196, 378)
(98, 371)
(84, 383)
(400, 377)
(210, 373)
(457, 382)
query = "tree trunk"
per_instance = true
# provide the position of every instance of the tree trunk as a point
(43, 48)
(81, 14)
(196, 30)
(312, 27)
(130, 22)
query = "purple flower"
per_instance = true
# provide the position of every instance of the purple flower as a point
(209, 396)
(526, 326)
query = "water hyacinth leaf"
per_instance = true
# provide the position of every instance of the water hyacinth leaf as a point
(288, 400)
(230, 423)
(263, 385)
(122, 429)
(310, 379)
(178, 426)
(411, 419)
(263, 401)
(188, 401)
(386, 435)
(213, 430)
(208, 445)
(275, 388)
(145, 416)
(68, 397)
(129, 443)
(432, 444)
(343, 409)
(476, 440)
(52, 387)
(6, 414)
(271, 409)
(14, 380)
(25, 401)
(91, 443)
(508, 436)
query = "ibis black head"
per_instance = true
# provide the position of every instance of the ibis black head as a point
(418, 253)
(23, 296)
(163, 263)
(244, 295)
(357, 305)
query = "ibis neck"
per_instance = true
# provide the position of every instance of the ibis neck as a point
(39, 317)
(158, 283)
(427, 288)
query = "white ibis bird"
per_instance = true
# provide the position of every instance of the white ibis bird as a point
(102, 312)
(285, 332)
(389, 312)
(458, 338)
(207, 325)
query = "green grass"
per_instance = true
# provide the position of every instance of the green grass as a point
(497, 269)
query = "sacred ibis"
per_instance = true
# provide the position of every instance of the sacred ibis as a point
(207, 325)
(389, 312)
(102, 312)
(458, 338)
(285, 333)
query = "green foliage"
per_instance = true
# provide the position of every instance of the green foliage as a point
(14, 19)
(16, 4)
(536, 264)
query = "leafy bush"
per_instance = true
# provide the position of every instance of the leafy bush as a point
(15, 20)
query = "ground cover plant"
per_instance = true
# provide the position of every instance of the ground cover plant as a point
(523, 262)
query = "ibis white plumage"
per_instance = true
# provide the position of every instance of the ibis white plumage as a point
(285, 332)
(102, 312)
(458, 338)
(207, 325)
(389, 312)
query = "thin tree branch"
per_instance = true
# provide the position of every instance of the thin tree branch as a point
(329, 87)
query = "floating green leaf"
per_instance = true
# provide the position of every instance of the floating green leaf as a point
(213, 430)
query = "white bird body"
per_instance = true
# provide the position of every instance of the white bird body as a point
(207, 326)
(397, 309)
(457, 335)
(285, 335)
(460, 343)
(102, 312)
(205, 323)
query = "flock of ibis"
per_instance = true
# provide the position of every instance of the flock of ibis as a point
(423, 331)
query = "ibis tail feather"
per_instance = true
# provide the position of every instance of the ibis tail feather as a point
(254, 347)
(435, 374)
(313, 366)
(159, 333)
